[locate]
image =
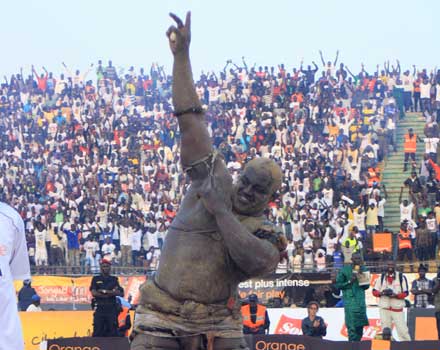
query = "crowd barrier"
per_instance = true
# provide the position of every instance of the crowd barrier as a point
(258, 342)
(39, 326)
(75, 290)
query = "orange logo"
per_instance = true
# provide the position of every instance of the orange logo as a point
(370, 331)
(287, 325)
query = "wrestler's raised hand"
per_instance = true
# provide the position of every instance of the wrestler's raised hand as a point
(179, 37)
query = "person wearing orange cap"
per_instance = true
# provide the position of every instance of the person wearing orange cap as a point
(105, 288)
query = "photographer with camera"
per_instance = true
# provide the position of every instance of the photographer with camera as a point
(436, 292)
(392, 288)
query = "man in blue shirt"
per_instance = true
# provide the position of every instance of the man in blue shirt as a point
(73, 236)
(338, 258)
(60, 119)
(313, 325)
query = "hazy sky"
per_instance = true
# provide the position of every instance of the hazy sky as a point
(131, 32)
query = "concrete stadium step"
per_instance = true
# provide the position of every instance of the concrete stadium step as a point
(393, 175)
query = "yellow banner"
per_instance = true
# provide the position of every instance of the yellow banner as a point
(38, 326)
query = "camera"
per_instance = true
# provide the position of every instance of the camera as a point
(388, 292)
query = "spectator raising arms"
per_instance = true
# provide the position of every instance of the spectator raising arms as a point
(84, 155)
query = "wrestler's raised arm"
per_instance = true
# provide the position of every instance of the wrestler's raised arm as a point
(195, 140)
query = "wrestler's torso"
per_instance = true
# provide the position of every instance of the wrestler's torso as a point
(194, 262)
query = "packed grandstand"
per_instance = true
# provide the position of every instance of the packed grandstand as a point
(91, 159)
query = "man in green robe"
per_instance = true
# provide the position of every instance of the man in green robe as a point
(354, 297)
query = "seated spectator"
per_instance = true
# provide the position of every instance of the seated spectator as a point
(35, 305)
(313, 325)
(25, 295)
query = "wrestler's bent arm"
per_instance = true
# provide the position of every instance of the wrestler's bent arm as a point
(254, 256)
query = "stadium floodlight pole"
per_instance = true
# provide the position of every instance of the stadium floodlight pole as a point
(73, 295)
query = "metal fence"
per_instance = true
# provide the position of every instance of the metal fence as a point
(375, 267)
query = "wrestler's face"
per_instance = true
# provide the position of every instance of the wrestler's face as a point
(252, 192)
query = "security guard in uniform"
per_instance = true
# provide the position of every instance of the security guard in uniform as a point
(255, 317)
(105, 289)
(410, 147)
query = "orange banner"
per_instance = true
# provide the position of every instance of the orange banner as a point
(69, 290)
(382, 242)
(426, 328)
(39, 326)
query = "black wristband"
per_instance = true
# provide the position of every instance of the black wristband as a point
(194, 110)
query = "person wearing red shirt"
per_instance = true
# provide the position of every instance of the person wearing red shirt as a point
(436, 169)
(41, 80)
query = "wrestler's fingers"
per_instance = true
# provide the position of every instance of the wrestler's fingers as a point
(177, 19)
(188, 20)
(171, 30)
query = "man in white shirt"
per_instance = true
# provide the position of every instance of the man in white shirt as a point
(407, 82)
(125, 232)
(297, 231)
(331, 244)
(108, 249)
(40, 234)
(381, 211)
(425, 95)
(136, 243)
(431, 147)
(35, 306)
(91, 247)
(406, 211)
(14, 264)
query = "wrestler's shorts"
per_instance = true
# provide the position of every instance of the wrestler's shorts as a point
(162, 322)
(149, 342)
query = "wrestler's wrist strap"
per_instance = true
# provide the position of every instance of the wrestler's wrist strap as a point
(193, 110)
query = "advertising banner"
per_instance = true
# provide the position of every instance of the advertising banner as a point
(257, 342)
(382, 242)
(422, 324)
(296, 285)
(292, 285)
(270, 342)
(69, 290)
(40, 326)
(88, 344)
(288, 321)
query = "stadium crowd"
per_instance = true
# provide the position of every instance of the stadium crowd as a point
(92, 164)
